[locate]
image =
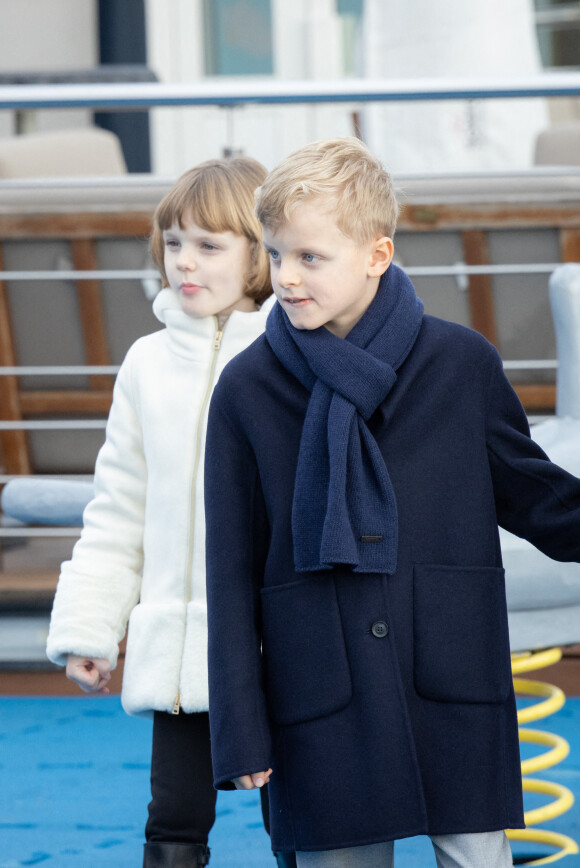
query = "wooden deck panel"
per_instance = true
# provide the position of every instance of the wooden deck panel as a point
(81, 229)
(417, 217)
(81, 225)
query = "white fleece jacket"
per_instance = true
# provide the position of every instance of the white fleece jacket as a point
(141, 555)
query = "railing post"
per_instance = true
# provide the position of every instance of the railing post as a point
(570, 245)
(481, 306)
(91, 312)
(14, 443)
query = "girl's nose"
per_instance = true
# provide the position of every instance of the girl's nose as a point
(186, 261)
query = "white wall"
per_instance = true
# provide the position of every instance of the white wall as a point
(400, 39)
(461, 39)
(306, 44)
(45, 35)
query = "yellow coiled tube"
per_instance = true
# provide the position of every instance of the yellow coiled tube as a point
(552, 700)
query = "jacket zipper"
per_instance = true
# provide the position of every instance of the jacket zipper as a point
(216, 348)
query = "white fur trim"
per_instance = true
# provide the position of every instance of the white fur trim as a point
(166, 655)
(153, 660)
(194, 678)
(89, 617)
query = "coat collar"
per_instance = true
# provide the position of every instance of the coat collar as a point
(187, 335)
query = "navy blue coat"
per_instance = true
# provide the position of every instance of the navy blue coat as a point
(384, 704)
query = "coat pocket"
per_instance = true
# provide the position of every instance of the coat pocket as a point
(460, 633)
(306, 665)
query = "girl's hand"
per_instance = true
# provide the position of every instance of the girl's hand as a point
(91, 674)
(251, 782)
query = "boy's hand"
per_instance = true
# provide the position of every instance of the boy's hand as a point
(91, 674)
(251, 782)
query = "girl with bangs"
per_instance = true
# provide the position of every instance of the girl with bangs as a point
(140, 560)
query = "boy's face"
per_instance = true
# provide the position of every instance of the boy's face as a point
(207, 269)
(319, 275)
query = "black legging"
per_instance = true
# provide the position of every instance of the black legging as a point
(182, 808)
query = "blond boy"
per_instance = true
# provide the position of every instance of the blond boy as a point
(360, 457)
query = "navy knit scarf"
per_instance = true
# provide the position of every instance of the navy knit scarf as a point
(344, 509)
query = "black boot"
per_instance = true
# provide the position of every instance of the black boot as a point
(285, 860)
(159, 854)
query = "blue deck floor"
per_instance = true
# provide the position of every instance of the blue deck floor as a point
(74, 789)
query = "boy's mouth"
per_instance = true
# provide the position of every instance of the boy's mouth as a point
(300, 302)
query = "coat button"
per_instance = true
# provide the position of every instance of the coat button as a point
(379, 629)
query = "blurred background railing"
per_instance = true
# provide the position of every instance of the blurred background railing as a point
(76, 279)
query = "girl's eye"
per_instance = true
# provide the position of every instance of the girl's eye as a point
(274, 255)
(207, 246)
(171, 243)
(310, 257)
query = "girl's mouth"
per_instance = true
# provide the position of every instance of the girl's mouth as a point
(190, 288)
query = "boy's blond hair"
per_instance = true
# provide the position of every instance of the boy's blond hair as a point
(217, 195)
(344, 172)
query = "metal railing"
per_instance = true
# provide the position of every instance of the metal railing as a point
(235, 94)
(455, 270)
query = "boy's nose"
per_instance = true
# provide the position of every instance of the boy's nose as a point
(287, 276)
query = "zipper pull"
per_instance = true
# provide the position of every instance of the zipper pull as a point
(218, 339)
(176, 704)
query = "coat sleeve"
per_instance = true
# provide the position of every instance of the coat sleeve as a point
(535, 498)
(236, 539)
(99, 586)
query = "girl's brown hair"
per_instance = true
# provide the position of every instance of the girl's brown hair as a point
(218, 195)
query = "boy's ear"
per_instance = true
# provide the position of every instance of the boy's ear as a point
(381, 256)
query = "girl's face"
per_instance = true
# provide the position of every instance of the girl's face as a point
(207, 269)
